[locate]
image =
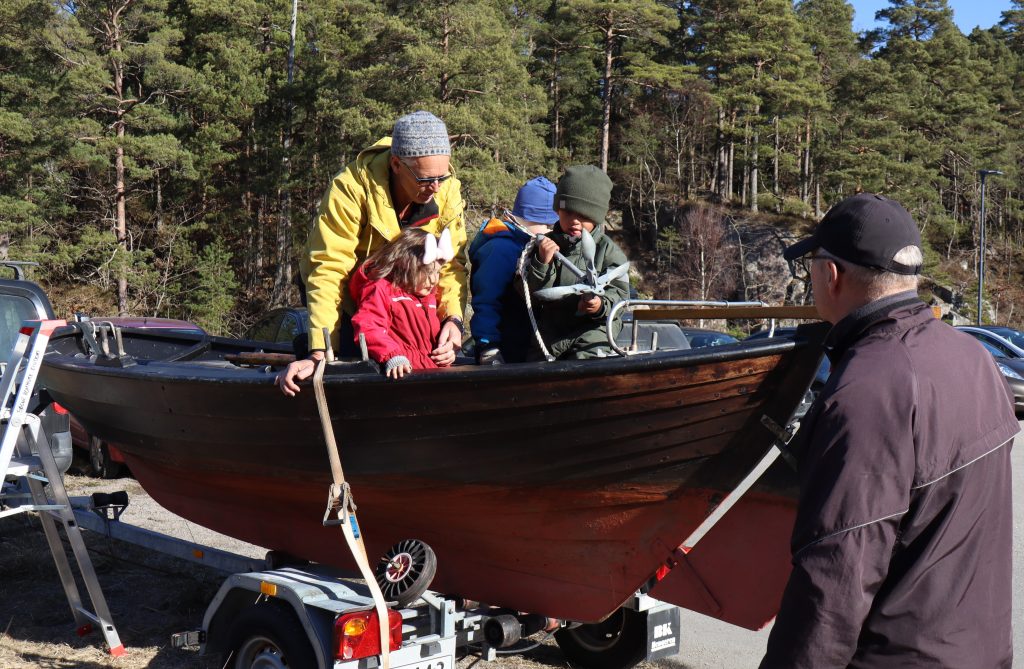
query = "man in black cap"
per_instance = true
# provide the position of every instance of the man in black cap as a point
(902, 543)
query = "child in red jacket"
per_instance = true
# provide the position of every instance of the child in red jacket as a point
(396, 301)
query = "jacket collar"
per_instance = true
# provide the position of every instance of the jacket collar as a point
(850, 329)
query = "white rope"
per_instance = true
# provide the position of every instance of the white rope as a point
(520, 269)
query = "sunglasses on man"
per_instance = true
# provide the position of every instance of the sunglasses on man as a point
(426, 181)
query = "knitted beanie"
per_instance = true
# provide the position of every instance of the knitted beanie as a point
(586, 190)
(420, 134)
(533, 202)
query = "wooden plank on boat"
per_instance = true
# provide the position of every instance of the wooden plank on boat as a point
(260, 358)
(796, 312)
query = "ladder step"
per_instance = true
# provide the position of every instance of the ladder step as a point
(22, 465)
(95, 619)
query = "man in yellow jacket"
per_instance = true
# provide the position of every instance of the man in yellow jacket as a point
(400, 181)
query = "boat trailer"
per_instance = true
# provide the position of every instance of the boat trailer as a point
(276, 613)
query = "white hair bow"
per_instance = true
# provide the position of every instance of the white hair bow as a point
(438, 249)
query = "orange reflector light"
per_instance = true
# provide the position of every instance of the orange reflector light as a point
(268, 589)
(357, 635)
(198, 554)
(58, 409)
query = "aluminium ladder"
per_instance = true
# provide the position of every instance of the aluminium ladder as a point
(21, 435)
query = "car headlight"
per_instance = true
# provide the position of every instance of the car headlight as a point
(1005, 369)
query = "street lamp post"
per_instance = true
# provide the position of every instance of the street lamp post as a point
(981, 252)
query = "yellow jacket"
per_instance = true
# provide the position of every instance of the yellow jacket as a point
(357, 217)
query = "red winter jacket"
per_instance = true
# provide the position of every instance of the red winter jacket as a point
(393, 321)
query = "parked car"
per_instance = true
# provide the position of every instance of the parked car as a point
(1015, 337)
(106, 460)
(1009, 358)
(22, 300)
(993, 335)
(665, 335)
(287, 325)
(700, 337)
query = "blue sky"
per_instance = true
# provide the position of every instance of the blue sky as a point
(966, 13)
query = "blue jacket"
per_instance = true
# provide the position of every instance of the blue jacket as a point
(499, 312)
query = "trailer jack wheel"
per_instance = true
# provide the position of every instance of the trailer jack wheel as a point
(405, 571)
(618, 642)
(269, 636)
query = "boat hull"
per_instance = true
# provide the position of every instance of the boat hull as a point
(551, 488)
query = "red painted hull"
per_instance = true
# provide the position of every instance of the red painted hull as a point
(551, 488)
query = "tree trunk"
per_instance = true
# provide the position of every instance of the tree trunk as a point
(556, 103)
(753, 161)
(720, 164)
(283, 271)
(120, 215)
(445, 76)
(775, 165)
(606, 107)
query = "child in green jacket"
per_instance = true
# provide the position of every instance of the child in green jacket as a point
(573, 327)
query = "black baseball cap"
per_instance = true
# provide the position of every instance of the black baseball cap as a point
(865, 229)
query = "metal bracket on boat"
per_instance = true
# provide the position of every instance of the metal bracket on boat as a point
(97, 336)
(783, 435)
(624, 305)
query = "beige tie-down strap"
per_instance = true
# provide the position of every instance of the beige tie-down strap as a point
(342, 506)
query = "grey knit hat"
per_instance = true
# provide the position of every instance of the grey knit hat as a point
(586, 190)
(420, 134)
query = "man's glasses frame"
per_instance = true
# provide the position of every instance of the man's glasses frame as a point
(426, 181)
(818, 255)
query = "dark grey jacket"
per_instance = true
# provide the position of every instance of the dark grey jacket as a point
(902, 547)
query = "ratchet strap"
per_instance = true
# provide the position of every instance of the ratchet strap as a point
(341, 510)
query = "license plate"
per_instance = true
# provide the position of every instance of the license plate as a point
(442, 662)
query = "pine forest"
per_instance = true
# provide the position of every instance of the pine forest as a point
(167, 157)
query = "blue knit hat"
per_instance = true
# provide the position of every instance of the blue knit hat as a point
(420, 134)
(534, 200)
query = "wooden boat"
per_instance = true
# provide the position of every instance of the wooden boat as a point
(553, 488)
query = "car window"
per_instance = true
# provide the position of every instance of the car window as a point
(290, 328)
(701, 339)
(1016, 337)
(14, 310)
(992, 344)
(992, 348)
(267, 328)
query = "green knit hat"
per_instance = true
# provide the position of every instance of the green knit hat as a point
(586, 190)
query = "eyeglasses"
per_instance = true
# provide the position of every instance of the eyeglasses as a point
(426, 181)
(818, 255)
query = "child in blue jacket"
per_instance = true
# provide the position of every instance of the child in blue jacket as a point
(500, 323)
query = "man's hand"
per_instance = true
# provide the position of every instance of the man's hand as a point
(448, 341)
(589, 304)
(546, 250)
(300, 370)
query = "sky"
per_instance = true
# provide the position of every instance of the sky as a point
(966, 13)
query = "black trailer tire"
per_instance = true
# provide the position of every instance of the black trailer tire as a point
(269, 636)
(619, 642)
(99, 459)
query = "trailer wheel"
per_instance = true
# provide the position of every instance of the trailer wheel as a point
(100, 461)
(619, 642)
(405, 571)
(269, 636)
